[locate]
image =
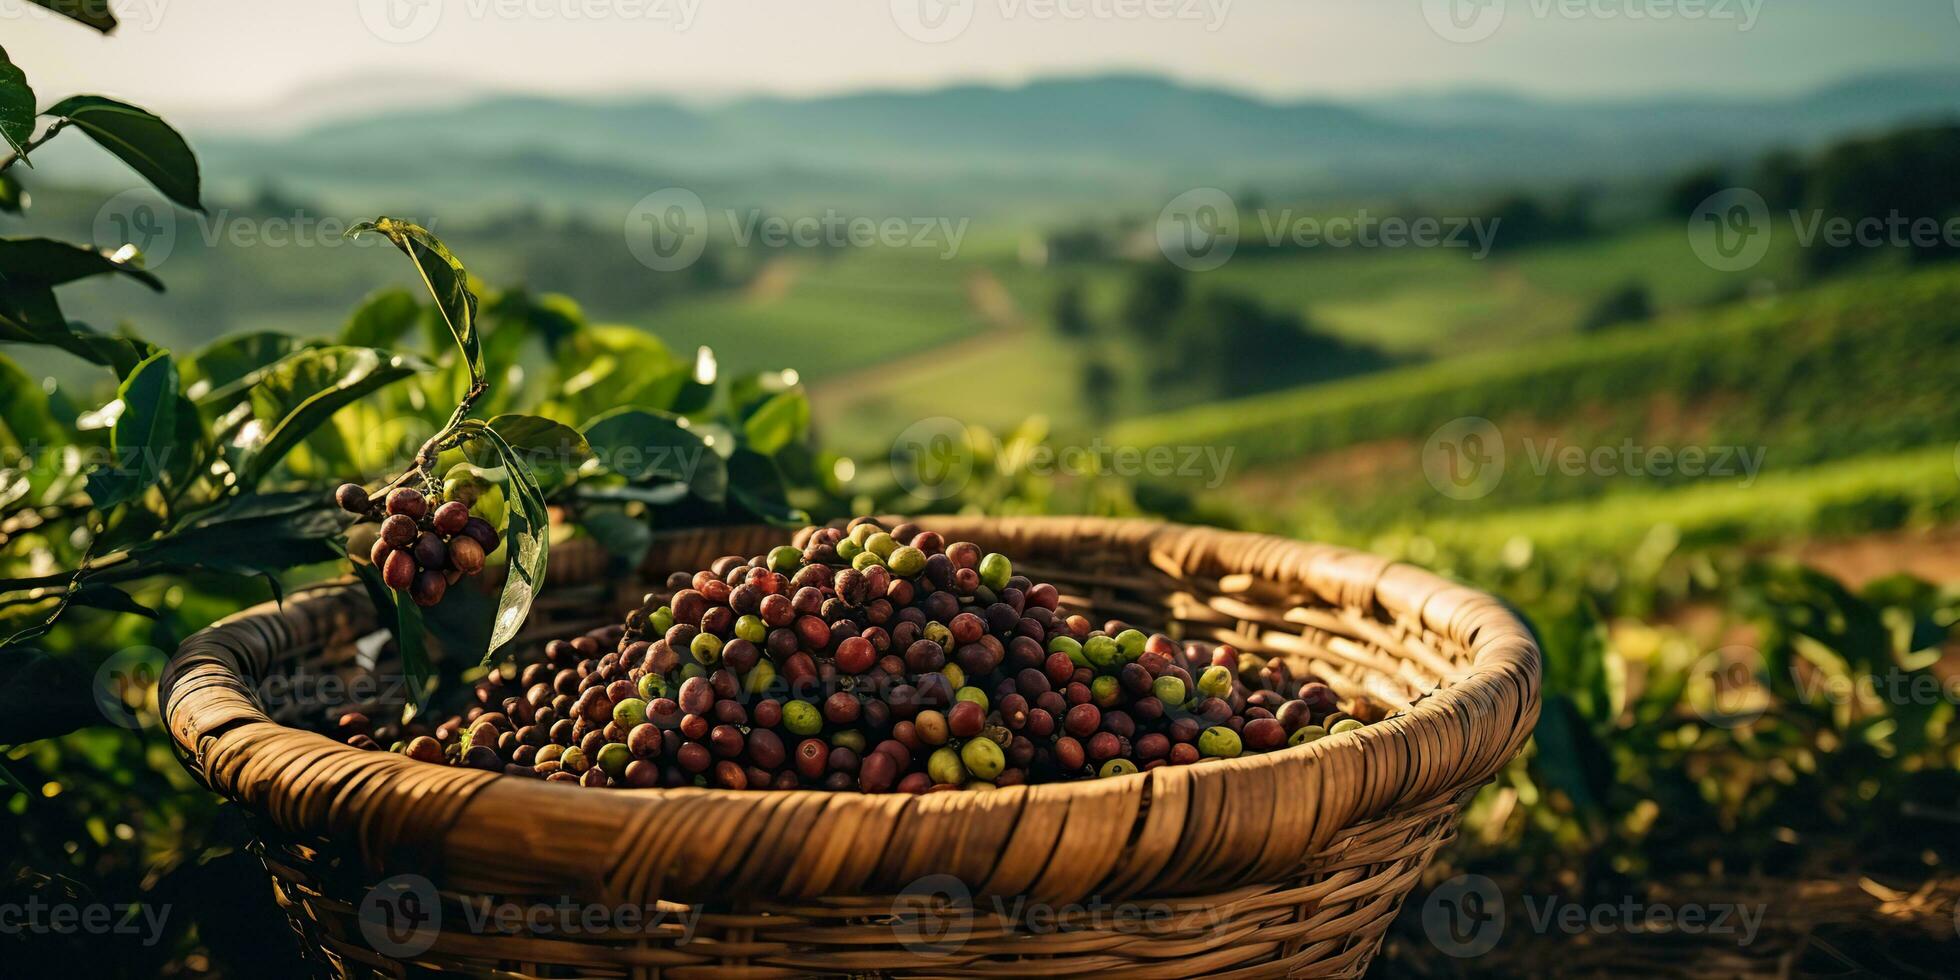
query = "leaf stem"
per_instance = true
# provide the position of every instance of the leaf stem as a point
(33, 144)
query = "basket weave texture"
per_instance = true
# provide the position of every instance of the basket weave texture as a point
(1290, 863)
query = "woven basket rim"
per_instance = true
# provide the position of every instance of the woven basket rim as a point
(406, 810)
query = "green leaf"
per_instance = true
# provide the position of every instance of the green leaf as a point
(88, 13)
(783, 419)
(642, 445)
(28, 262)
(111, 598)
(755, 483)
(382, 319)
(254, 535)
(403, 618)
(138, 138)
(29, 314)
(143, 436)
(552, 449)
(526, 542)
(24, 408)
(13, 197)
(446, 278)
(303, 391)
(625, 537)
(43, 695)
(16, 106)
(223, 369)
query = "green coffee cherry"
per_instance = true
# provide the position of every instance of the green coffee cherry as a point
(662, 620)
(995, 570)
(862, 533)
(706, 648)
(881, 544)
(1169, 690)
(630, 712)
(848, 549)
(1069, 645)
(613, 759)
(785, 559)
(1219, 742)
(1305, 734)
(1105, 691)
(752, 628)
(866, 559)
(944, 766)
(1116, 767)
(906, 561)
(573, 758)
(1102, 652)
(982, 758)
(1345, 725)
(955, 676)
(760, 677)
(850, 738)
(654, 686)
(938, 633)
(802, 718)
(1215, 681)
(691, 670)
(1130, 643)
(973, 694)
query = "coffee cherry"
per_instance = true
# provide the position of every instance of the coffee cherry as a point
(398, 571)
(480, 531)
(430, 552)
(450, 517)
(982, 758)
(399, 530)
(352, 498)
(465, 555)
(1219, 742)
(408, 502)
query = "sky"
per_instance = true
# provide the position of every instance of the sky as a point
(213, 58)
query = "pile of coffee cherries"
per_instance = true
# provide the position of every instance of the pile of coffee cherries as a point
(423, 544)
(873, 659)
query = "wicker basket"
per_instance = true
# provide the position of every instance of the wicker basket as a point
(1291, 863)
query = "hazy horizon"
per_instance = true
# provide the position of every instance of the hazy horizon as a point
(688, 49)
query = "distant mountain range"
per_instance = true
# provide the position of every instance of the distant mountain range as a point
(1064, 142)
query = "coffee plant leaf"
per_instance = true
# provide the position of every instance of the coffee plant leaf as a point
(16, 105)
(624, 537)
(13, 197)
(553, 449)
(445, 278)
(527, 528)
(24, 409)
(382, 319)
(649, 446)
(400, 616)
(225, 368)
(138, 138)
(143, 437)
(88, 13)
(756, 484)
(783, 419)
(251, 540)
(47, 262)
(300, 393)
(99, 596)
